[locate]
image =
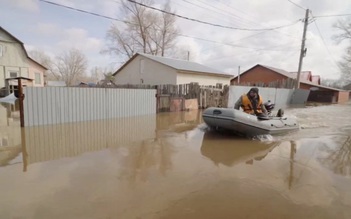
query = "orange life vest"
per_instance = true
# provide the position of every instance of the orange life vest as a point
(247, 105)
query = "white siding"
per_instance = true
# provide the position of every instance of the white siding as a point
(13, 55)
(55, 105)
(185, 78)
(13, 58)
(142, 70)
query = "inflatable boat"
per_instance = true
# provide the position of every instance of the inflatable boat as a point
(246, 124)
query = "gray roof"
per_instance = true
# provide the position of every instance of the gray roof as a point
(184, 65)
(280, 71)
(293, 75)
(56, 84)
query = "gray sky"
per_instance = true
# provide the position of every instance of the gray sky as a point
(55, 29)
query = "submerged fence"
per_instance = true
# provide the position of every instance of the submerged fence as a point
(56, 105)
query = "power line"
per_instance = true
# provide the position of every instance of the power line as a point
(86, 12)
(315, 22)
(249, 21)
(221, 12)
(235, 45)
(333, 15)
(212, 24)
(182, 35)
(299, 6)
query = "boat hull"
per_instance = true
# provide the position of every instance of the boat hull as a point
(243, 123)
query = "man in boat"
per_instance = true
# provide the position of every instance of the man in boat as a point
(252, 103)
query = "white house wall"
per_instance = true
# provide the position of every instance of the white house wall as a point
(185, 78)
(33, 70)
(13, 58)
(146, 72)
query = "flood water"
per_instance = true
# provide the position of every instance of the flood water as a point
(171, 166)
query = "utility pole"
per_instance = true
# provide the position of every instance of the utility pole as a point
(239, 75)
(302, 52)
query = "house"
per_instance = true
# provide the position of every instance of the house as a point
(261, 75)
(15, 62)
(155, 70)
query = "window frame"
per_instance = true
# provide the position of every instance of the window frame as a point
(35, 78)
(13, 72)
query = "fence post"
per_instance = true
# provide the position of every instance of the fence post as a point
(200, 98)
(21, 98)
(157, 99)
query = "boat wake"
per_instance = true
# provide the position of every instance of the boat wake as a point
(263, 138)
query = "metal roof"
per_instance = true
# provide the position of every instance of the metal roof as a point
(280, 71)
(56, 84)
(294, 76)
(184, 65)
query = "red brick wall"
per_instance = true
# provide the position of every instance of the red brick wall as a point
(343, 96)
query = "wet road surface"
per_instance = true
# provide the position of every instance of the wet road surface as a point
(172, 166)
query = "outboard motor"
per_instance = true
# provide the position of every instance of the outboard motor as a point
(269, 106)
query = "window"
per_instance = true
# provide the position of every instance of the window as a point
(1, 50)
(219, 85)
(37, 78)
(13, 74)
(4, 142)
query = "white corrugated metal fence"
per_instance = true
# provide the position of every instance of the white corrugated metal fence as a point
(56, 105)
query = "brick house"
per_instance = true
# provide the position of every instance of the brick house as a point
(266, 76)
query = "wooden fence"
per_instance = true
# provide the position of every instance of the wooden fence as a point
(175, 97)
(171, 97)
(179, 97)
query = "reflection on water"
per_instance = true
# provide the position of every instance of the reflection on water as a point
(52, 142)
(226, 149)
(170, 166)
(143, 158)
(10, 135)
(338, 156)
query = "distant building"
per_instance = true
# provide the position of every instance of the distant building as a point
(56, 84)
(155, 70)
(261, 75)
(15, 62)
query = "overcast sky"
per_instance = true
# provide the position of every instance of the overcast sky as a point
(54, 29)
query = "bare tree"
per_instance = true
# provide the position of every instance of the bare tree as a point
(145, 31)
(164, 31)
(45, 60)
(335, 83)
(70, 66)
(99, 73)
(345, 65)
(120, 43)
(345, 27)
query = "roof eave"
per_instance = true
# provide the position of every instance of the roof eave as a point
(204, 73)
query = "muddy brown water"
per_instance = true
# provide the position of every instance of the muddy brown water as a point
(172, 166)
